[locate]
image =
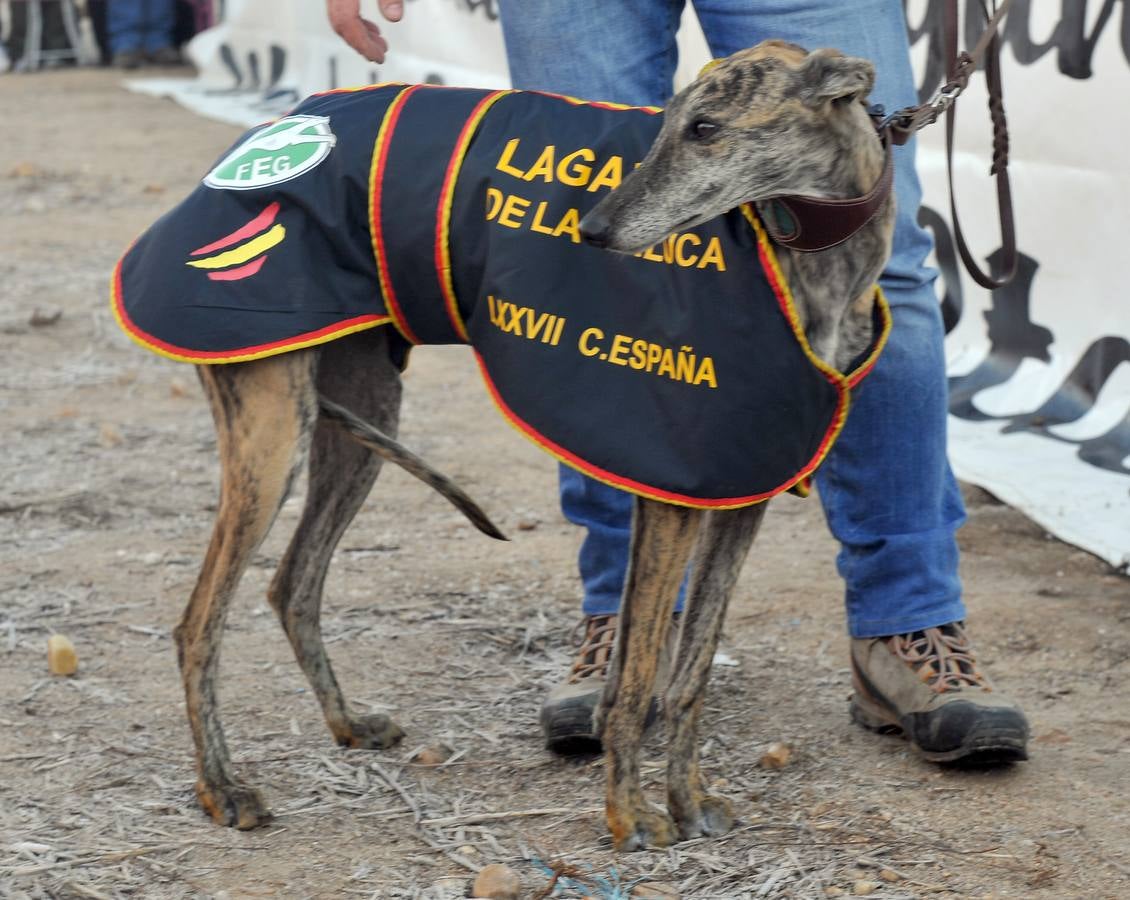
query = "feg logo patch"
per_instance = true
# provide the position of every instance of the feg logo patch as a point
(275, 153)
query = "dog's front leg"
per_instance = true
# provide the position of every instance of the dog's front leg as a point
(662, 537)
(722, 545)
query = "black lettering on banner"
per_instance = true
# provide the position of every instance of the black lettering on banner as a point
(1074, 400)
(251, 79)
(953, 299)
(274, 100)
(1072, 40)
(1014, 337)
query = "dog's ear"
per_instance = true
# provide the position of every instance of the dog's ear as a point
(829, 75)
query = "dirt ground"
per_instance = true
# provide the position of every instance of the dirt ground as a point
(109, 482)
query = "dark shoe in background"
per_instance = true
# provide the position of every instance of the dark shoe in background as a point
(927, 686)
(165, 56)
(128, 59)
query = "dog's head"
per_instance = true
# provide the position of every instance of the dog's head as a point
(769, 121)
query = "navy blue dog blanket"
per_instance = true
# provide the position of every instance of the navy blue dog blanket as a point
(680, 374)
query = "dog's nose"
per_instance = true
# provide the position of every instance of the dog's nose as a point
(595, 228)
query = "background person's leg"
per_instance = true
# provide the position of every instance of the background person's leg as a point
(623, 52)
(96, 9)
(606, 514)
(160, 20)
(125, 23)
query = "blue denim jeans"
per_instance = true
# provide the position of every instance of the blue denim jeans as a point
(140, 25)
(887, 490)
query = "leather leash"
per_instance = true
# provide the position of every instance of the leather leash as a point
(808, 224)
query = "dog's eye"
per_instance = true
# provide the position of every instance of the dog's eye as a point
(701, 129)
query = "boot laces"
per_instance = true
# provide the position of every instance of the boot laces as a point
(942, 657)
(596, 648)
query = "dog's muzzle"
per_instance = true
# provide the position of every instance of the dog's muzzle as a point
(596, 228)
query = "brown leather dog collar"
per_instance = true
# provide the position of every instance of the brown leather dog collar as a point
(808, 224)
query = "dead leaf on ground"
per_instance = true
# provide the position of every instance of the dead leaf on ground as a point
(41, 319)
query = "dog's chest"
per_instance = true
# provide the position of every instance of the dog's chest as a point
(454, 215)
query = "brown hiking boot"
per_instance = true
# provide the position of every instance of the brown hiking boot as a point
(567, 713)
(926, 685)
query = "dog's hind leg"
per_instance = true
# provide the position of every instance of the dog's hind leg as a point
(722, 546)
(264, 411)
(355, 372)
(662, 537)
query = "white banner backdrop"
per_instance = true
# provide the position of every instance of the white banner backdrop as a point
(1039, 370)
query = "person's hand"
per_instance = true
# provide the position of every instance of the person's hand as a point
(361, 34)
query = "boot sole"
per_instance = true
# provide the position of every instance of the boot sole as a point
(569, 729)
(987, 744)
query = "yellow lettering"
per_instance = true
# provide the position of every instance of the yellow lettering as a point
(654, 351)
(639, 355)
(712, 256)
(650, 253)
(573, 173)
(543, 168)
(619, 345)
(610, 174)
(683, 240)
(503, 164)
(706, 373)
(684, 365)
(536, 325)
(583, 344)
(514, 324)
(494, 202)
(667, 363)
(570, 224)
(515, 206)
(536, 224)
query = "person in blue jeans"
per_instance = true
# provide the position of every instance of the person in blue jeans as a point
(887, 490)
(141, 31)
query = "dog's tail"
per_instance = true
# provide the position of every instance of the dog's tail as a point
(384, 446)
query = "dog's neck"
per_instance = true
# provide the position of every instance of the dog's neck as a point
(833, 288)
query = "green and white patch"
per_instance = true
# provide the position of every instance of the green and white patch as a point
(275, 153)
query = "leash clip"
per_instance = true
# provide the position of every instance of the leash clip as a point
(943, 98)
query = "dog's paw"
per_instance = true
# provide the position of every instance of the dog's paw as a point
(234, 804)
(714, 816)
(642, 828)
(375, 732)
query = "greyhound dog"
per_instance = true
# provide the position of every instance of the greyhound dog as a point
(768, 122)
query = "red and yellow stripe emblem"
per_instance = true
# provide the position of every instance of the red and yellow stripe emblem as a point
(248, 248)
